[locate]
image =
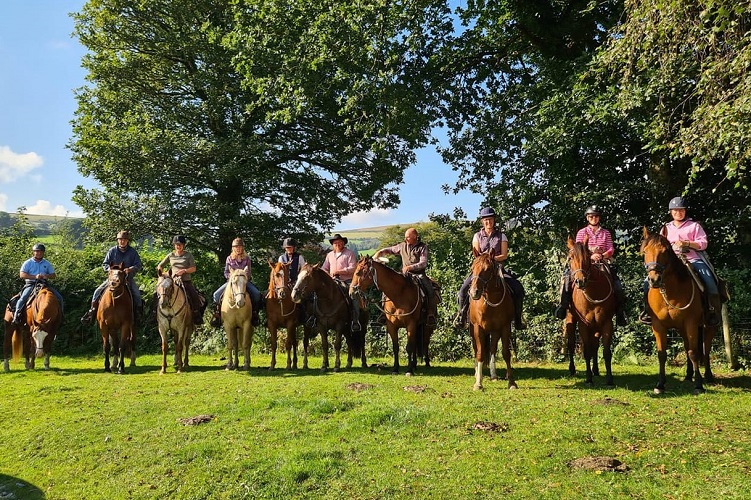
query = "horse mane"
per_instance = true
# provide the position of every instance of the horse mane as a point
(579, 250)
(658, 240)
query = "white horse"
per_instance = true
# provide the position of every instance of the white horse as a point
(236, 315)
(174, 315)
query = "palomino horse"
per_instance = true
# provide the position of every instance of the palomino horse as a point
(332, 312)
(173, 314)
(491, 311)
(675, 302)
(282, 311)
(43, 317)
(236, 316)
(402, 308)
(115, 319)
(592, 309)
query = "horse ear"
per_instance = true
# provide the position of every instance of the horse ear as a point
(492, 253)
(664, 231)
(271, 264)
(645, 232)
(586, 241)
(570, 242)
(475, 253)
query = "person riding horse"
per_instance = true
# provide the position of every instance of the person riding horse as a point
(414, 255)
(486, 239)
(296, 262)
(238, 259)
(689, 241)
(340, 264)
(35, 270)
(127, 256)
(600, 243)
(183, 265)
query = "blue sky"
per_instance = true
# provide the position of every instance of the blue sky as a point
(39, 71)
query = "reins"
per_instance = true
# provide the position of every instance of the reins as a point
(374, 274)
(600, 266)
(500, 281)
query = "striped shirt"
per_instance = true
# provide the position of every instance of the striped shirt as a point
(599, 240)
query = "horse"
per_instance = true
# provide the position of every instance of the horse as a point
(282, 311)
(115, 316)
(236, 319)
(173, 314)
(675, 302)
(491, 311)
(331, 310)
(592, 309)
(402, 308)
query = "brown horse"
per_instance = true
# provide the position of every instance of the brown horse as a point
(491, 311)
(16, 344)
(236, 318)
(332, 312)
(173, 314)
(592, 309)
(283, 312)
(402, 308)
(675, 302)
(115, 319)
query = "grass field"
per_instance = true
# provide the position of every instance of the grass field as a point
(74, 432)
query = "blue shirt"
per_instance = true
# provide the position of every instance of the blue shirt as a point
(128, 258)
(35, 267)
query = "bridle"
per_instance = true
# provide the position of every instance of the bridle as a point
(483, 283)
(280, 286)
(237, 290)
(359, 293)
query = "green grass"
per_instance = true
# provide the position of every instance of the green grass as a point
(75, 432)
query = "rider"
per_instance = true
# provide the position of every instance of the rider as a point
(183, 265)
(414, 255)
(127, 256)
(238, 259)
(600, 243)
(688, 238)
(340, 263)
(490, 238)
(34, 270)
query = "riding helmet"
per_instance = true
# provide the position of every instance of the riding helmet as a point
(289, 242)
(487, 212)
(179, 239)
(123, 235)
(238, 242)
(676, 203)
(593, 210)
(38, 246)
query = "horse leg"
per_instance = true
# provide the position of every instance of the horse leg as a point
(707, 335)
(411, 349)
(689, 365)
(290, 345)
(179, 351)
(694, 355)
(595, 354)
(586, 340)
(493, 351)
(338, 349)
(274, 345)
(124, 340)
(661, 339)
(165, 348)
(479, 351)
(394, 334)
(506, 352)
(324, 347)
(106, 348)
(607, 354)
(569, 331)
(231, 348)
(247, 342)
(306, 331)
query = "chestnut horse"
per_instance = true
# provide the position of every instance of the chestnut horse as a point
(174, 315)
(115, 319)
(402, 308)
(491, 311)
(592, 310)
(332, 312)
(236, 318)
(675, 302)
(43, 317)
(15, 343)
(283, 312)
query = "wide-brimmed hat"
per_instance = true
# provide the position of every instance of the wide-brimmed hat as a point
(123, 235)
(238, 242)
(289, 242)
(338, 236)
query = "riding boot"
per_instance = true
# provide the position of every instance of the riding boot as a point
(356, 327)
(17, 314)
(620, 302)
(712, 318)
(197, 317)
(518, 323)
(460, 321)
(86, 318)
(216, 316)
(138, 313)
(254, 319)
(645, 316)
(566, 297)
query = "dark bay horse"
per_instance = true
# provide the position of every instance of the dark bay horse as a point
(331, 310)
(402, 308)
(237, 311)
(675, 302)
(173, 314)
(592, 310)
(115, 319)
(283, 312)
(491, 312)
(44, 316)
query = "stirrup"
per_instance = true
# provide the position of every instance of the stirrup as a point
(560, 311)
(356, 327)
(216, 321)
(645, 318)
(460, 321)
(430, 321)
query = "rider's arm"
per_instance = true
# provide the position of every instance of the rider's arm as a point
(504, 252)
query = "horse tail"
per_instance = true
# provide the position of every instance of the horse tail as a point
(17, 344)
(419, 339)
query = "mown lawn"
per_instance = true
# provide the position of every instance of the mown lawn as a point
(74, 432)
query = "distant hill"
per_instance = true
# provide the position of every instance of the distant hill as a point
(43, 225)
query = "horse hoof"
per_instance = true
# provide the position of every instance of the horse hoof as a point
(495, 377)
(336, 369)
(478, 387)
(512, 385)
(658, 391)
(699, 390)
(408, 374)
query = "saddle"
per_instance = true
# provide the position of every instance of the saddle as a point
(722, 285)
(14, 300)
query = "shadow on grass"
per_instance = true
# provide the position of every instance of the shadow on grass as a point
(13, 487)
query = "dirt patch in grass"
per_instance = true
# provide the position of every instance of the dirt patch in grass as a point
(602, 464)
(358, 387)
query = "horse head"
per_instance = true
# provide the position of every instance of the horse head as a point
(279, 279)
(363, 277)
(304, 280)
(116, 277)
(580, 262)
(164, 289)
(483, 270)
(658, 255)
(236, 283)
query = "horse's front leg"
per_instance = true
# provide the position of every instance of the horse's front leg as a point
(324, 347)
(290, 346)
(694, 358)
(506, 353)
(179, 351)
(607, 354)
(122, 348)
(165, 348)
(477, 337)
(569, 331)
(394, 335)
(708, 335)
(274, 345)
(411, 350)
(493, 351)
(231, 349)
(586, 339)
(338, 334)
(247, 343)
(306, 334)
(106, 348)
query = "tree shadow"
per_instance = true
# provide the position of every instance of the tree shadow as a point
(13, 487)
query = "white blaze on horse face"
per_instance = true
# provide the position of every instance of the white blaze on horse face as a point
(296, 292)
(39, 337)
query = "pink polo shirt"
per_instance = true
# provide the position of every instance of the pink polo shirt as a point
(600, 241)
(687, 230)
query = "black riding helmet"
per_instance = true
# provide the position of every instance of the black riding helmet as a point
(593, 210)
(179, 239)
(39, 246)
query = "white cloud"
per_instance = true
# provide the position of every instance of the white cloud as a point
(3, 202)
(44, 207)
(366, 219)
(15, 165)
